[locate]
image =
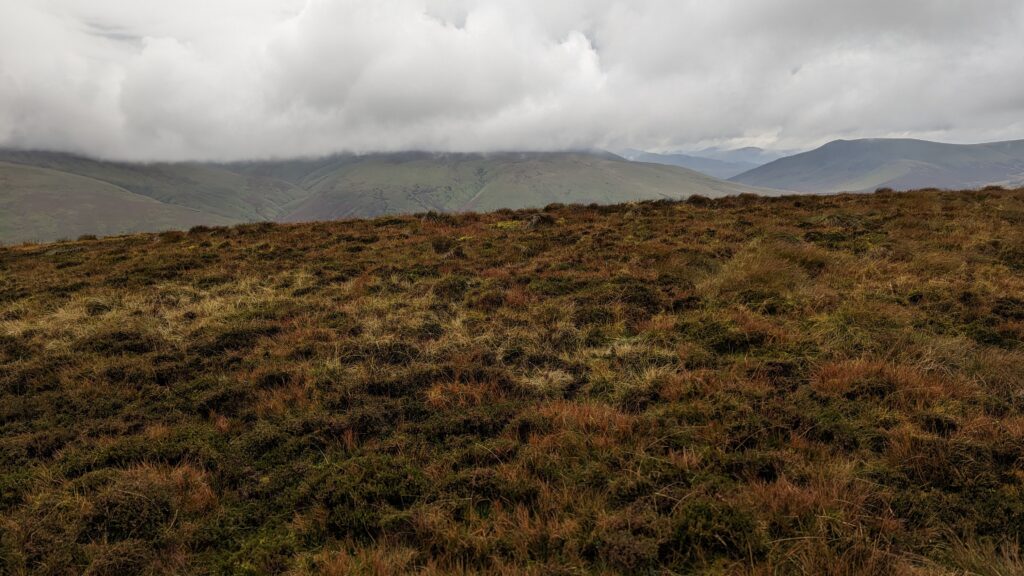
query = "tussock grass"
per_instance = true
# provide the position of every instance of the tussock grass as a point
(802, 385)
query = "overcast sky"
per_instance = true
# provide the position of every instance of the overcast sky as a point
(229, 79)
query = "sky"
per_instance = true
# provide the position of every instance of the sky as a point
(247, 79)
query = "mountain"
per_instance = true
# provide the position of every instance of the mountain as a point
(209, 188)
(417, 182)
(39, 204)
(747, 155)
(902, 164)
(49, 195)
(709, 166)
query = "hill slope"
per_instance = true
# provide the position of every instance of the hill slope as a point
(750, 155)
(709, 166)
(798, 385)
(208, 188)
(389, 184)
(864, 165)
(39, 204)
(347, 186)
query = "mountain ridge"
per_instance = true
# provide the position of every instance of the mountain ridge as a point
(709, 166)
(338, 186)
(379, 185)
(899, 163)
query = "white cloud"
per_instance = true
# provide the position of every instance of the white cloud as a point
(224, 79)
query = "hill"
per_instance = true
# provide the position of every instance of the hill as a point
(39, 204)
(709, 166)
(338, 187)
(749, 385)
(398, 184)
(865, 165)
(208, 188)
(748, 155)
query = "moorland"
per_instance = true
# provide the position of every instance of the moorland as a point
(744, 385)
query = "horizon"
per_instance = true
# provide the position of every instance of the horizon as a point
(232, 81)
(621, 153)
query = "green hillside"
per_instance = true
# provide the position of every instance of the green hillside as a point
(38, 204)
(710, 166)
(301, 172)
(208, 188)
(341, 186)
(388, 184)
(901, 164)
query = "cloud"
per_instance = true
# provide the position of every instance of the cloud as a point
(196, 79)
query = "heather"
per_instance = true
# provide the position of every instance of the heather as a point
(746, 385)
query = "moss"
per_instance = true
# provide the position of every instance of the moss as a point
(360, 495)
(1009, 308)
(406, 383)
(630, 544)
(487, 485)
(391, 353)
(723, 336)
(13, 348)
(97, 308)
(451, 288)
(558, 285)
(938, 423)
(14, 486)
(704, 529)
(128, 510)
(134, 556)
(119, 341)
(635, 294)
(229, 338)
(479, 421)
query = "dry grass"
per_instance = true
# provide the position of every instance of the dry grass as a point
(803, 385)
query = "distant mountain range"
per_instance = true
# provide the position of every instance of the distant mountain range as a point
(717, 162)
(47, 196)
(748, 155)
(901, 164)
(710, 166)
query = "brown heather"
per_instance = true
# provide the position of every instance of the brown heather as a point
(803, 385)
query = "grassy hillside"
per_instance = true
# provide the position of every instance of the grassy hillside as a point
(391, 184)
(865, 165)
(345, 186)
(39, 204)
(208, 188)
(749, 154)
(709, 166)
(801, 385)
(302, 172)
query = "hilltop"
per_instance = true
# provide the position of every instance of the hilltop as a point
(391, 184)
(715, 162)
(47, 196)
(710, 166)
(748, 385)
(901, 164)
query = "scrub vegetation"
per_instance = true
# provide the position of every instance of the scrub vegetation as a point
(747, 385)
